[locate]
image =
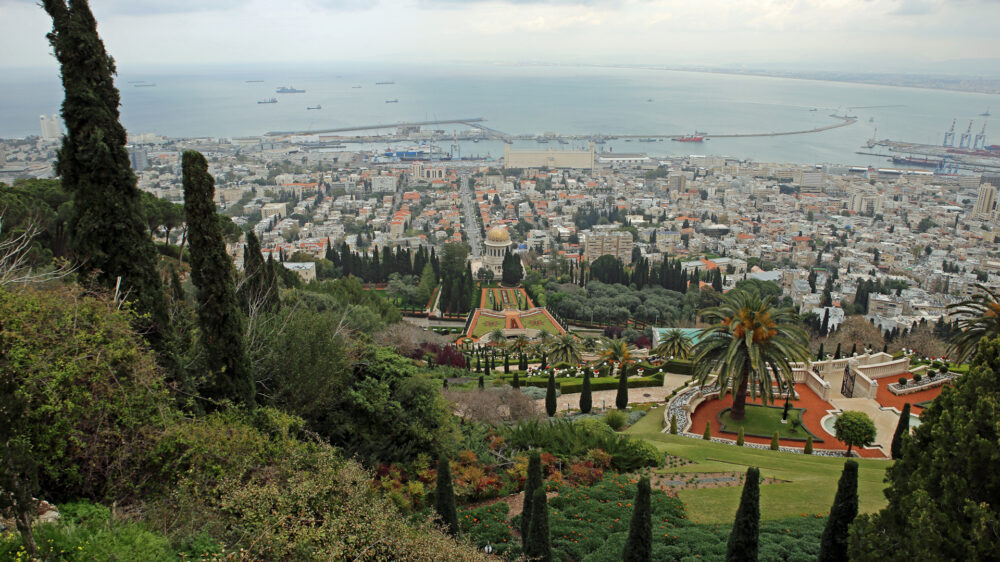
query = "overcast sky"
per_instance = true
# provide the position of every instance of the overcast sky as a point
(876, 35)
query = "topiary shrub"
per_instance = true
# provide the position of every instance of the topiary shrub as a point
(775, 444)
(809, 445)
(673, 424)
(902, 381)
(708, 431)
(739, 437)
(916, 377)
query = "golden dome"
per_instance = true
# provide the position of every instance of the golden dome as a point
(498, 235)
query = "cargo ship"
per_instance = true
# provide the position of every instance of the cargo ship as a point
(315, 107)
(392, 101)
(384, 83)
(289, 90)
(692, 138)
(416, 153)
(912, 161)
(269, 100)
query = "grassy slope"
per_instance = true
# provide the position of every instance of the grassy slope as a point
(812, 481)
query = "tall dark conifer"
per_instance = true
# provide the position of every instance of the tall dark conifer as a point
(902, 430)
(539, 545)
(586, 396)
(621, 398)
(639, 546)
(444, 497)
(550, 396)
(107, 229)
(531, 483)
(744, 539)
(212, 273)
(833, 545)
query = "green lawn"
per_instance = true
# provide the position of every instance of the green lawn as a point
(486, 324)
(763, 421)
(812, 481)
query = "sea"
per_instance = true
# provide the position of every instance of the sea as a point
(221, 101)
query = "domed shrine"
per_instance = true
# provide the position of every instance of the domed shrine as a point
(496, 245)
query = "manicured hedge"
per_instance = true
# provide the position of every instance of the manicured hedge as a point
(606, 383)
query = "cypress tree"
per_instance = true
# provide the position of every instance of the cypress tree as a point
(586, 397)
(743, 541)
(673, 424)
(707, 436)
(740, 440)
(258, 291)
(550, 396)
(545, 361)
(516, 382)
(107, 230)
(506, 364)
(775, 444)
(854, 349)
(444, 497)
(836, 354)
(482, 382)
(639, 546)
(532, 483)
(902, 430)
(539, 546)
(479, 367)
(809, 445)
(833, 545)
(621, 399)
(212, 273)
(819, 354)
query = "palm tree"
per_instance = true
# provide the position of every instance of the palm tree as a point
(749, 341)
(675, 343)
(520, 344)
(589, 343)
(979, 317)
(565, 348)
(617, 351)
(497, 338)
(544, 338)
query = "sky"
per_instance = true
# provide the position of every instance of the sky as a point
(859, 35)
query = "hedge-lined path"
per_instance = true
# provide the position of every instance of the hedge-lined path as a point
(642, 395)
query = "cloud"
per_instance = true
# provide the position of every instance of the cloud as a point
(159, 7)
(915, 8)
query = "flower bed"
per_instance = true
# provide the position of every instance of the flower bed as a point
(925, 383)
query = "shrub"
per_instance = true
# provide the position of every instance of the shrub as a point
(574, 440)
(615, 419)
(931, 373)
(943, 369)
(902, 381)
(535, 392)
(916, 377)
(809, 445)
(775, 444)
(596, 425)
(635, 415)
(708, 432)
(739, 437)
(673, 424)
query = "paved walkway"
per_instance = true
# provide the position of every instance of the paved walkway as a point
(606, 398)
(815, 408)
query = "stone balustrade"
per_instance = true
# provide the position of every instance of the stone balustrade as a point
(887, 369)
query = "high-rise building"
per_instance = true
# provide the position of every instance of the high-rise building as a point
(138, 158)
(50, 127)
(986, 203)
(617, 244)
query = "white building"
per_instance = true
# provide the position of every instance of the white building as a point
(50, 127)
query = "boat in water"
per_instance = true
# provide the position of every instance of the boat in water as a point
(691, 138)
(913, 161)
(392, 101)
(269, 100)
(145, 85)
(315, 107)
(253, 81)
(389, 83)
(416, 153)
(986, 113)
(355, 87)
(289, 90)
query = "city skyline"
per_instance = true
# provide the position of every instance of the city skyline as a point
(838, 35)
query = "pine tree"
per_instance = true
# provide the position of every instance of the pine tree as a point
(586, 397)
(707, 436)
(639, 546)
(621, 399)
(539, 545)
(531, 483)
(744, 539)
(902, 431)
(107, 230)
(444, 497)
(833, 545)
(212, 273)
(550, 396)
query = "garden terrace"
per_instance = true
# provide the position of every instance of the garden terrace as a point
(513, 323)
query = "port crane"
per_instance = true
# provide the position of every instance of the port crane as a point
(966, 137)
(949, 135)
(980, 141)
